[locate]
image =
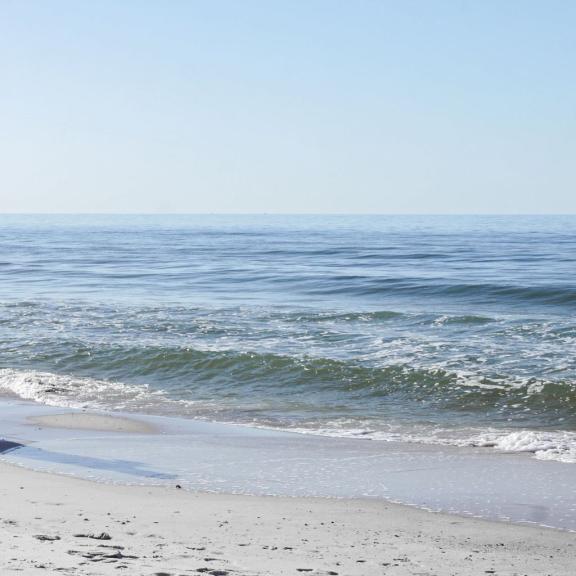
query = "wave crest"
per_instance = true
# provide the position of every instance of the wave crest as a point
(81, 392)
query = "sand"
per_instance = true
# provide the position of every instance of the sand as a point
(59, 524)
(63, 525)
(91, 421)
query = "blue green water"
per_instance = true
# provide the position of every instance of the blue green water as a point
(456, 330)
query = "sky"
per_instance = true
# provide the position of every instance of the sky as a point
(288, 106)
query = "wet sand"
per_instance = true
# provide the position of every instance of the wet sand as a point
(66, 525)
(56, 524)
(90, 421)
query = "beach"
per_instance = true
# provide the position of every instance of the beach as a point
(350, 395)
(287, 288)
(65, 525)
(67, 522)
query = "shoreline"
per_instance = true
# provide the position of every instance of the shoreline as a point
(79, 527)
(200, 456)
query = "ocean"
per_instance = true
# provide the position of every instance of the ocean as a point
(441, 330)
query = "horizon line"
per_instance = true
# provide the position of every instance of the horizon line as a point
(287, 213)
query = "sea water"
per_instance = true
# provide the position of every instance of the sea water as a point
(437, 330)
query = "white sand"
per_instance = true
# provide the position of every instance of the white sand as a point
(89, 421)
(169, 531)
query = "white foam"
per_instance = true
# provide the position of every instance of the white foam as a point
(552, 445)
(77, 392)
(70, 391)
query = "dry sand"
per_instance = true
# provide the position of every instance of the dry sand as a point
(61, 525)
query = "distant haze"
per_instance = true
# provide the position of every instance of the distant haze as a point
(364, 106)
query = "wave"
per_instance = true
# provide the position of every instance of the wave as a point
(366, 316)
(481, 292)
(71, 391)
(320, 383)
(89, 393)
(374, 316)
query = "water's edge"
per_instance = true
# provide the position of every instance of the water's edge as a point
(211, 457)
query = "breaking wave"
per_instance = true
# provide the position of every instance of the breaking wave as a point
(88, 393)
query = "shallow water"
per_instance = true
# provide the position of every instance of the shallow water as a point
(442, 330)
(213, 457)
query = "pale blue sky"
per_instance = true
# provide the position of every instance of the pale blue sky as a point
(369, 106)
